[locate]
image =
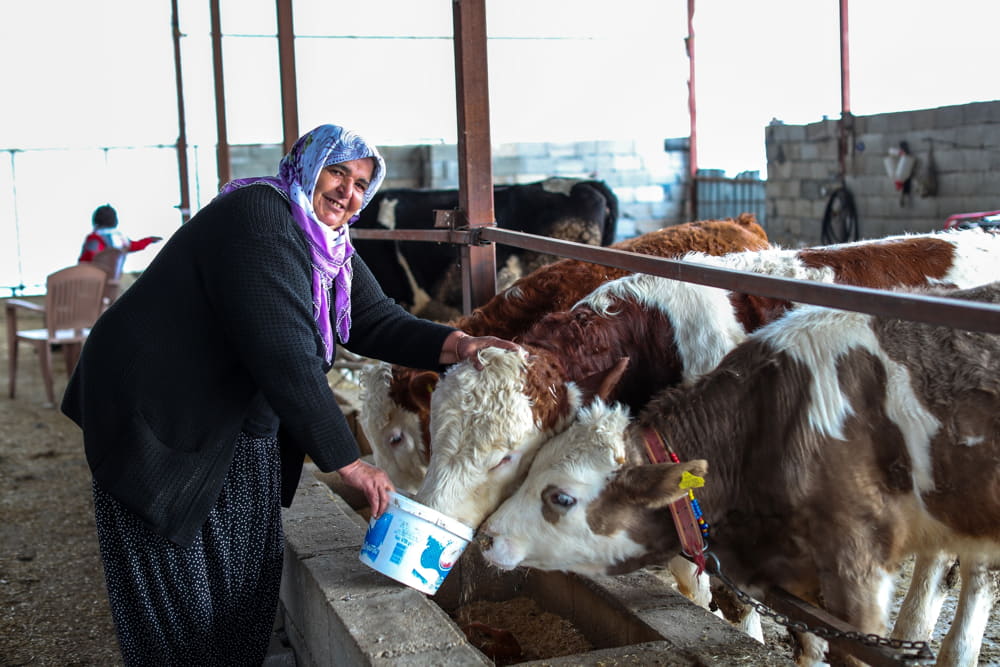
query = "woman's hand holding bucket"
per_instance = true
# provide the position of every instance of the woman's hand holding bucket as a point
(371, 481)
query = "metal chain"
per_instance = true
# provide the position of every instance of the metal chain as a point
(920, 648)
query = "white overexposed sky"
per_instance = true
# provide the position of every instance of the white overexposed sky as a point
(100, 75)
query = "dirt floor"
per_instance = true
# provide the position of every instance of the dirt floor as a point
(53, 608)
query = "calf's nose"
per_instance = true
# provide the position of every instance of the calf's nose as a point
(484, 540)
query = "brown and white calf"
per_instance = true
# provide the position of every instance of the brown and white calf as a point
(635, 335)
(837, 443)
(488, 424)
(396, 400)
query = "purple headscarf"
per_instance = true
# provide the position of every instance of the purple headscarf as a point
(297, 175)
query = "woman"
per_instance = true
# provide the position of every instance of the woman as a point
(202, 388)
(106, 234)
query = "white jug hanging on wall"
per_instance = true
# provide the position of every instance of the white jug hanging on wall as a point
(899, 166)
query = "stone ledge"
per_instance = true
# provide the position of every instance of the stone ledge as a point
(337, 611)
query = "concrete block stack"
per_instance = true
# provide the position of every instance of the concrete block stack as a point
(956, 149)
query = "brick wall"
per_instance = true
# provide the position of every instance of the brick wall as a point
(803, 170)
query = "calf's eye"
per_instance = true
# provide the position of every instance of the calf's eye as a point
(561, 499)
(504, 461)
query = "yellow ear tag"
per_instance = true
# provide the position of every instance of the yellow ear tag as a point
(689, 481)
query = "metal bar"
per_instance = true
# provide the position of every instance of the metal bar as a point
(956, 313)
(955, 219)
(844, 127)
(845, 60)
(222, 145)
(17, 289)
(286, 59)
(693, 116)
(456, 236)
(182, 165)
(960, 314)
(475, 170)
(876, 656)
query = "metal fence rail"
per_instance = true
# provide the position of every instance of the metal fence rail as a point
(956, 313)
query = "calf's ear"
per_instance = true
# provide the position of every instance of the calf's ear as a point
(659, 484)
(602, 383)
(421, 387)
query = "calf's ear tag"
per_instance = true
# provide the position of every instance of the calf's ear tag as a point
(689, 481)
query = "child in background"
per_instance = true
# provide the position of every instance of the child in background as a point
(106, 235)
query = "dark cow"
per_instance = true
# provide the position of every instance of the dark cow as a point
(414, 272)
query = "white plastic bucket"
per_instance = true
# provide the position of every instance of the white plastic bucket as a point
(414, 544)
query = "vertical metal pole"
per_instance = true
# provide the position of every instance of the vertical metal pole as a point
(693, 116)
(222, 147)
(845, 60)
(845, 92)
(286, 57)
(475, 169)
(182, 165)
(16, 290)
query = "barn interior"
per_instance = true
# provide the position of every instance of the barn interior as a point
(827, 181)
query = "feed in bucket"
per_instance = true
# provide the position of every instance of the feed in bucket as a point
(414, 544)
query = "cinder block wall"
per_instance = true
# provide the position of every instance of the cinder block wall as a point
(648, 181)
(803, 169)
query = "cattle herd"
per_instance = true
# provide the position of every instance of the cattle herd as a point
(424, 277)
(832, 445)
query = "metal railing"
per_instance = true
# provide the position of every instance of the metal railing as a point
(942, 311)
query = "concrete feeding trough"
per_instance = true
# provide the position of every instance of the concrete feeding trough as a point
(336, 610)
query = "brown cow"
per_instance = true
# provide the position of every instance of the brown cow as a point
(396, 400)
(487, 425)
(837, 442)
(670, 331)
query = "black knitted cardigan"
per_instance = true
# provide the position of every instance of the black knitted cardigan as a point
(219, 324)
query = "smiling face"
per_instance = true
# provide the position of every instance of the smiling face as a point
(340, 190)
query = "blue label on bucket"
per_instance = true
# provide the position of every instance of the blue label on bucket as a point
(439, 558)
(397, 554)
(375, 536)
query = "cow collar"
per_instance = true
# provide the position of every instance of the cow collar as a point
(686, 512)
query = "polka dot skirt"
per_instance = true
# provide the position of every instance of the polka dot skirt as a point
(210, 603)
